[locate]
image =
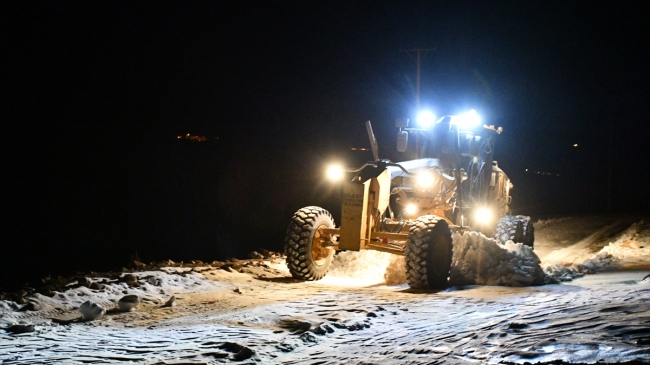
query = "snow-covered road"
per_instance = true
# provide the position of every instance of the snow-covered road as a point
(607, 318)
(262, 316)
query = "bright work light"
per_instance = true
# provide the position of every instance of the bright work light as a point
(411, 209)
(425, 179)
(483, 215)
(468, 120)
(426, 119)
(335, 172)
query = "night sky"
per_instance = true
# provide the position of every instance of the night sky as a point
(94, 95)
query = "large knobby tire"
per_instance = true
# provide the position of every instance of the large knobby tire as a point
(307, 259)
(517, 228)
(428, 253)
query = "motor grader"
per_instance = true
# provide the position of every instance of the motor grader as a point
(412, 207)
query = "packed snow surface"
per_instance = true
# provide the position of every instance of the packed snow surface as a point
(259, 314)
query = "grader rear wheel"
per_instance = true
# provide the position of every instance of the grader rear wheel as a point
(308, 258)
(517, 228)
(428, 253)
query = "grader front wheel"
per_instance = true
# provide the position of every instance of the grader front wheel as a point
(428, 253)
(308, 256)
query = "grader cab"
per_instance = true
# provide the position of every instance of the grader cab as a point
(412, 207)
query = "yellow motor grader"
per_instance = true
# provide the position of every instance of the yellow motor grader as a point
(412, 207)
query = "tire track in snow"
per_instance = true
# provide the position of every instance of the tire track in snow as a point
(466, 326)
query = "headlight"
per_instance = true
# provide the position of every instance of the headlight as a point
(411, 209)
(483, 215)
(426, 119)
(425, 179)
(468, 120)
(335, 172)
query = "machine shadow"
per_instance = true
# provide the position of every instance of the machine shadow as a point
(284, 279)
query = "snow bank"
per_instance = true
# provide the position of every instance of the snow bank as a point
(151, 287)
(395, 273)
(479, 260)
(631, 250)
(601, 261)
(561, 273)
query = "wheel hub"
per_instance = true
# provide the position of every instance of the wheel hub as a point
(319, 251)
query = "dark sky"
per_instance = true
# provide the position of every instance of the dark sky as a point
(95, 93)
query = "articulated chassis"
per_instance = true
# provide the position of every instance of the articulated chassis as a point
(368, 222)
(393, 241)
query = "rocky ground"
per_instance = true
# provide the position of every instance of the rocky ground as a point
(252, 311)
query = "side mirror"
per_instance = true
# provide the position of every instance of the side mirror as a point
(402, 122)
(402, 141)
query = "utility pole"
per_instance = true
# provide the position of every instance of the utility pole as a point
(419, 54)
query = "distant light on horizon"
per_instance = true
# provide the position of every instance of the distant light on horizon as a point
(195, 138)
(575, 145)
(546, 173)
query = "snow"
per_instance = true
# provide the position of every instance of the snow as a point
(362, 312)
(561, 273)
(479, 260)
(358, 268)
(169, 283)
(630, 250)
(296, 323)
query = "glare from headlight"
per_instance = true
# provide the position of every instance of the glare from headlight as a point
(411, 209)
(426, 119)
(335, 172)
(483, 215)
(472, 118)
(468, 120)
(425, 179)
